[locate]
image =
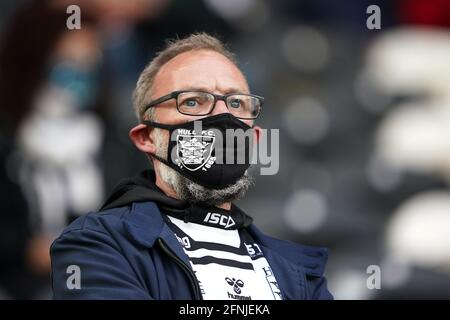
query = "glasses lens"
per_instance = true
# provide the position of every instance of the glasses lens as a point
(195, 103)
(244, 106)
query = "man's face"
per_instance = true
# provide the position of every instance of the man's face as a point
(203, 70)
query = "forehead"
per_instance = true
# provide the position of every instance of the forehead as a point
(201, 69)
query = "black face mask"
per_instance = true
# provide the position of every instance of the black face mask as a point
(201, 156)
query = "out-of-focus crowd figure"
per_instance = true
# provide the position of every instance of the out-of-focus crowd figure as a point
(364, 119)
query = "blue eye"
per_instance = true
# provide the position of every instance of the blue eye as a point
(190, 103)
(235, 103)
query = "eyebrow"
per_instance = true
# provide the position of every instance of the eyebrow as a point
(227, 91)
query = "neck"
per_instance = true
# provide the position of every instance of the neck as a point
(169, 191)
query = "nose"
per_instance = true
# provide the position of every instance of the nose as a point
(220, 107)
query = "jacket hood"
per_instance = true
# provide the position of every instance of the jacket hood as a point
(140, 188)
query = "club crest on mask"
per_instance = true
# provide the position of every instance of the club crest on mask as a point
(194, 150)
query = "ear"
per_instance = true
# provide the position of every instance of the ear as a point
(142, 139)
(257, 133)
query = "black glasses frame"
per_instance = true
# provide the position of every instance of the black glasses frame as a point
(217, 97)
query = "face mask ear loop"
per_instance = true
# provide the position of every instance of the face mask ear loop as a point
(156, 124)
(150, 123)
(159, 159)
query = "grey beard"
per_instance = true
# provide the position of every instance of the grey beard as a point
(193, 192)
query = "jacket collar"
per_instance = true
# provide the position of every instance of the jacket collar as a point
(312, 259)
(145, 225)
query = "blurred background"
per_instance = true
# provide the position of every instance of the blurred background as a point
(364, 119)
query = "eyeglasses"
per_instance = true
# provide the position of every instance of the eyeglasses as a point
(200, 103)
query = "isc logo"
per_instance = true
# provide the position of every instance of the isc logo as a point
(220, 219)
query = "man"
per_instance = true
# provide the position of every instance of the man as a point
(174, 233)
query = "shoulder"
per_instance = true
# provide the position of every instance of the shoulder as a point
(101, 230)
(101, 221)
(97, 245)
(312, 259)
(140, 223)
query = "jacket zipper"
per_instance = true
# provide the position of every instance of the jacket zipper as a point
(186, 269)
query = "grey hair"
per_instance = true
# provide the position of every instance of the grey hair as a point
(196, 41)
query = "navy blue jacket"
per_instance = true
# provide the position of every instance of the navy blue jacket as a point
(129, 252)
